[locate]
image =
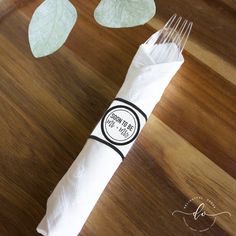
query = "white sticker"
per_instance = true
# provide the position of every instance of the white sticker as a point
(120, 125)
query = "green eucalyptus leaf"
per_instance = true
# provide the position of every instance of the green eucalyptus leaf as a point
(50, 26)
(124, 13)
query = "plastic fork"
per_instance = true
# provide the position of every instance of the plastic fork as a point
(169, 42)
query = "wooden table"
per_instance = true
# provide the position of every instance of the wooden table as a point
(50, 105)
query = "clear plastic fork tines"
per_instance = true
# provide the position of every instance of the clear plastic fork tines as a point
(169, 42)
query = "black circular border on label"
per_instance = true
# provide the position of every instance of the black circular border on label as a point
(138, 124)
(134, 118)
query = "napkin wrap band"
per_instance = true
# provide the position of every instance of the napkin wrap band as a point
(119, 126)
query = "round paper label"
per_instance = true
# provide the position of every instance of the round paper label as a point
(120, 125)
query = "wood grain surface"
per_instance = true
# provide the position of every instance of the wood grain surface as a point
(50, 105)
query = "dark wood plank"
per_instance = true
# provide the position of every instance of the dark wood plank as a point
(201, 108)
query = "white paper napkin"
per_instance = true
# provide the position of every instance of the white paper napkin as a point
(76, 194)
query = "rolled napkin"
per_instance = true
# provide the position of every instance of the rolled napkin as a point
(76, 194)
